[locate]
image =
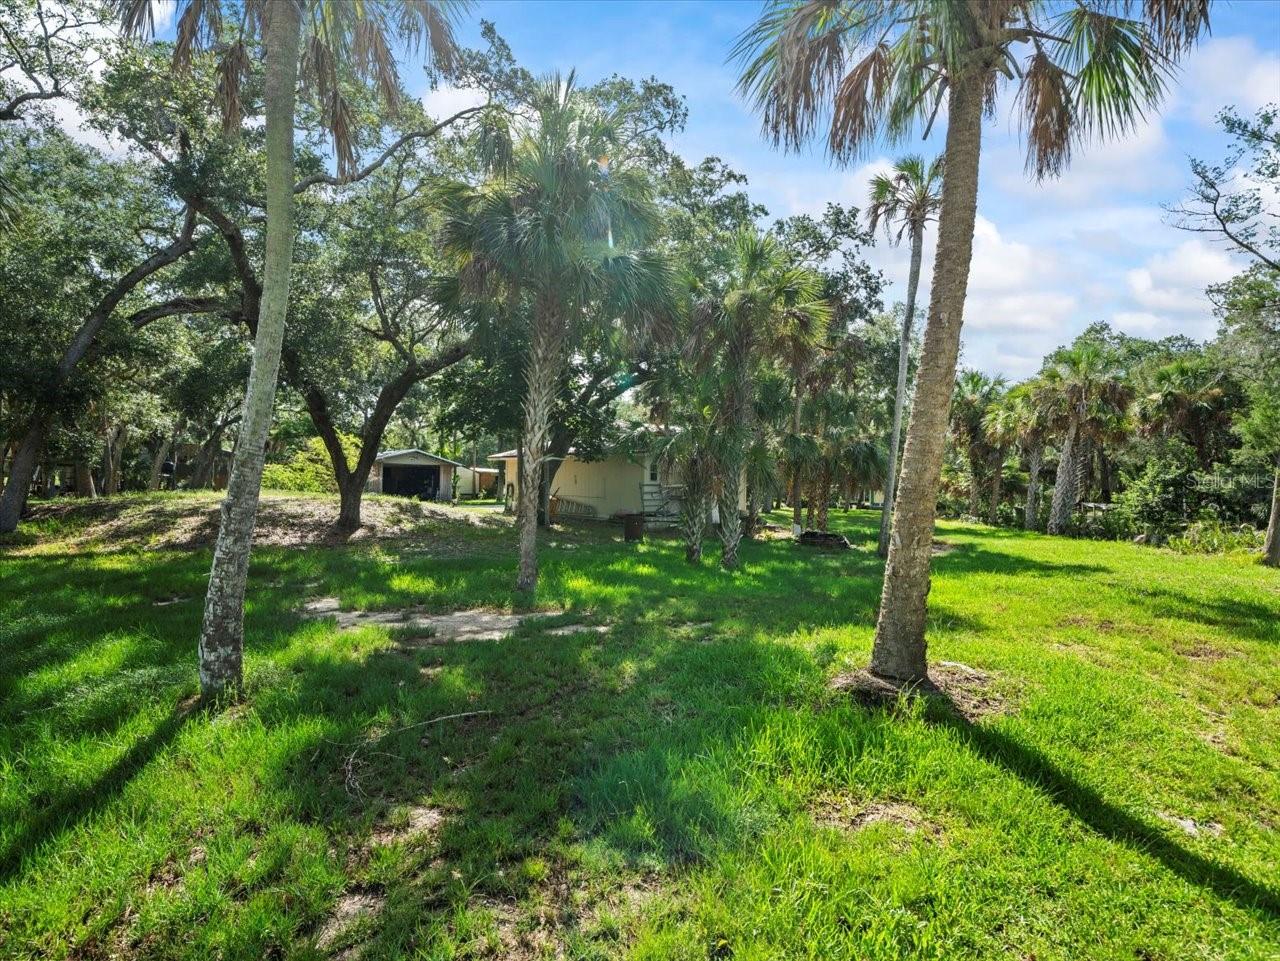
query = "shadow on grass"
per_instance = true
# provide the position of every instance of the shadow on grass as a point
(1092, 809)
(1259, 622)
(56, 816)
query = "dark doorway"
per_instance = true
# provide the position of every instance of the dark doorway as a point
(411, 480)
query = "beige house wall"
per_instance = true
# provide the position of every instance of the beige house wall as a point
(611, 486)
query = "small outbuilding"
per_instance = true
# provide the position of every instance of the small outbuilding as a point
(413, 473)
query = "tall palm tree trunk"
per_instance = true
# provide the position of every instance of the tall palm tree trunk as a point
(541, 378)
(730, 519)
(899, 648)
(222, 634)
(796, 486)
(1064, 487)
(997, 488)
(693, 522)
(1271, 547)
(1031, 517)
(975, 491)
(731, 482)
(824, 495)
(900, 395)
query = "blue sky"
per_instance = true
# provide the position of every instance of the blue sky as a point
(1049, 258)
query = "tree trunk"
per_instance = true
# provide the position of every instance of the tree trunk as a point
(975, 492)
(1271, 547)
(113, 455)
(84, 480)
(1104, 476)
(542, 377)
(730, 519)
(824, 496)
(693, 522)
(544, 491)
(21, 471)
(222, 633)
(796, 487)
(900, 395)
(1031, 517)
(157, 465)
(1064, 487)
(997, 488)
(899, 649)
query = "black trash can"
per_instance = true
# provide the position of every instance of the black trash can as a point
(633, 527)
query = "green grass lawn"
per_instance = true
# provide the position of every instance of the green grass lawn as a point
(686, 785)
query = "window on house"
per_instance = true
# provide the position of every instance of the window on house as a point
(653, 471)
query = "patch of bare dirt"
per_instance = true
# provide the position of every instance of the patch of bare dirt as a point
(938, 548)
(1191, 826)
(967, 691)
(424, 628)
(1088, 623)
(1200, 651)
(189, 522)
(418, 821)
(850, 814)
(351, 908)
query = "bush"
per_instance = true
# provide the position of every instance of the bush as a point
(1212, 536)
(1159, 501)
(309, 470)
(1105, 525)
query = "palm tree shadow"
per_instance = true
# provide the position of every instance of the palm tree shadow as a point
(64, 813)
(1091, 808)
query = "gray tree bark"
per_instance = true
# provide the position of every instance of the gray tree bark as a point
(1031, 517)
(694, 508)
(997, 487)
(542, 377)
(157, 464)
(797, 485)
(899, 649)
(900, 396)
(1271, 547)
(221, 647)
(84, 480)
(975, 490)
(1064, 488)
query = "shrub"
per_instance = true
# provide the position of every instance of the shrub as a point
(309, 470)
(1159, 500)
(1212, 536)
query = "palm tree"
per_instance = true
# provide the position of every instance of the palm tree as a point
(770, 304)
(974, 396)
(1020, 418)
(875, 69)
(795, 340)
(689, 452)
(558, 232)
(908, 199)
(1087, 384)
(1192, 397)
(338, 38)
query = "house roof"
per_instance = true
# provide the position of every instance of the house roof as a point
(393, 454)
(513, 453)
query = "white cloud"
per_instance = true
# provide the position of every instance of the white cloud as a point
(444, 102)
(1175, 281)
(1228, 70)
(1137, 161)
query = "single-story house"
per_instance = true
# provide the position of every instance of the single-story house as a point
(616, 485)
